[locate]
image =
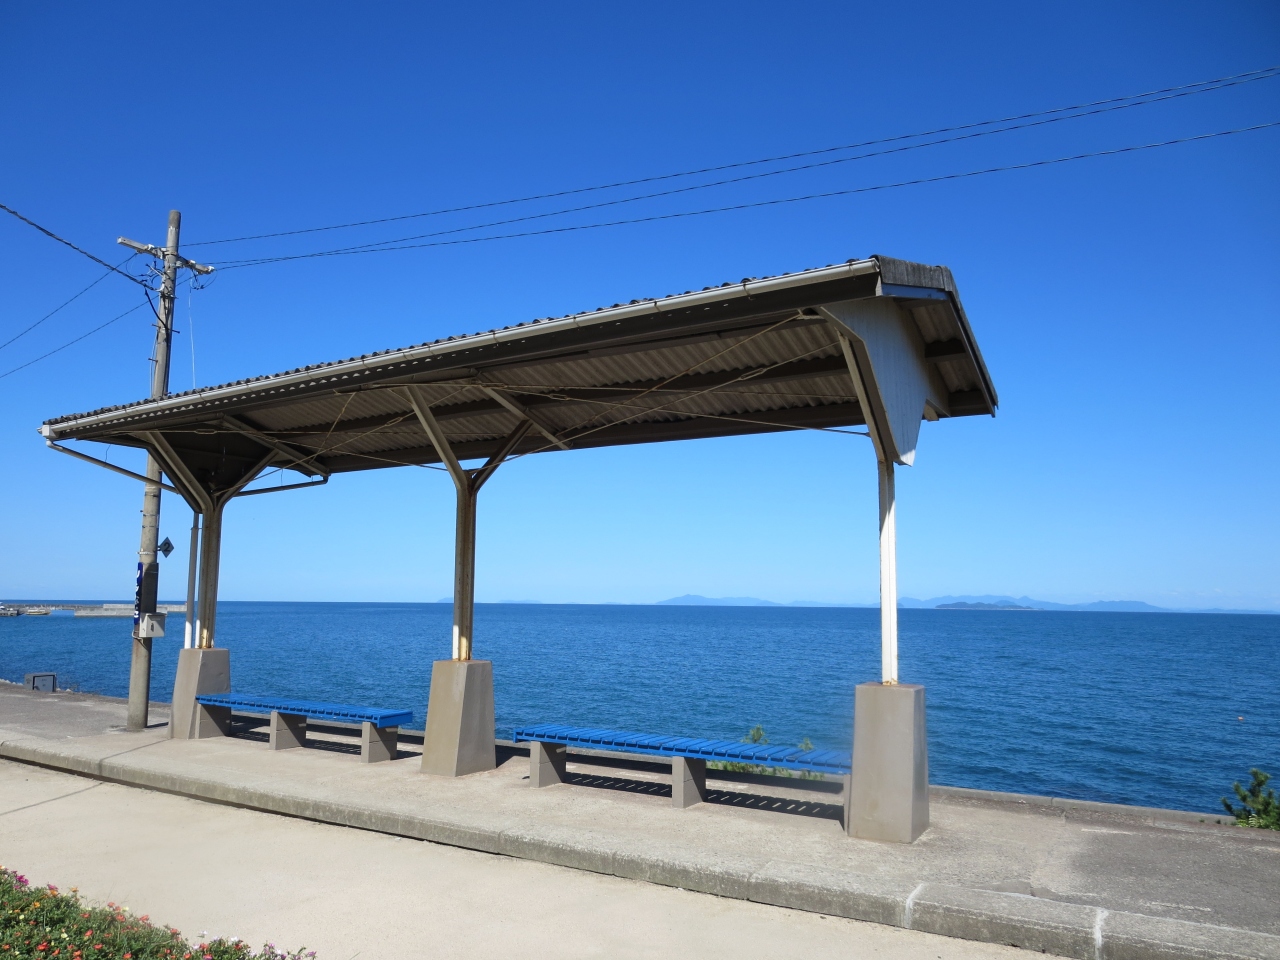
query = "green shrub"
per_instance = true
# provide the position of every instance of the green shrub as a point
(42, 923)
(756, 735)
(1258, 805)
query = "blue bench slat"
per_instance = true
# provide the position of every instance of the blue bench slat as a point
(312, 710)
(791, 758)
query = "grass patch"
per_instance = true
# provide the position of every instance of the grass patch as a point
(43, 922)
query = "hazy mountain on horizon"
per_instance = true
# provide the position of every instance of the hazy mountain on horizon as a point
(911, 603)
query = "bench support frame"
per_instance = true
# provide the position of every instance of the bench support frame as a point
(377, 743)
(688, 782)
(288, 730)
(547, 763)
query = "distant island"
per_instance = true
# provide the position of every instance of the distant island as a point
(981, 606)
(985, 602)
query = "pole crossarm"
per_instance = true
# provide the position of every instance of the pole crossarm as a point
(160, 253)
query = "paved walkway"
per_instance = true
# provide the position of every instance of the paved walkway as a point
(1076, 880)
(348, 893)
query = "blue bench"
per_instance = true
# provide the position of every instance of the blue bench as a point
(378, 726)
(689, 755)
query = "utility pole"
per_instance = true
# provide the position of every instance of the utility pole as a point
(144, 605)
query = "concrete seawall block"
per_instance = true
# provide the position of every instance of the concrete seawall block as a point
(1129, 936)
(1049, 926)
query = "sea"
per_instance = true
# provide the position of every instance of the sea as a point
(1163, 710)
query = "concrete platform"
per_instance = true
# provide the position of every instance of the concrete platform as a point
(1072, 879)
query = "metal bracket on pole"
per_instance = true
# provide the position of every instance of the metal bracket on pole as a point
(188, 487)
(520, 410)
(300, 457)
(288, 486)
(432, 428)
(110, 466)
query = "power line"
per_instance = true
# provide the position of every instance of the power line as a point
(231, 265)
(1153, 96)
(49, 233)
(752, 176)
(66, 303)
(101, 326)
(75, 341)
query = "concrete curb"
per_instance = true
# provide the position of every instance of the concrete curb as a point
(1035, 923)
(1147, 815)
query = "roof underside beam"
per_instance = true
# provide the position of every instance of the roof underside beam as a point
(828, 416)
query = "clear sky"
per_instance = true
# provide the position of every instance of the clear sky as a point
(1126, 305)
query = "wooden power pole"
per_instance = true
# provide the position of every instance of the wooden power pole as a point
(145, 625)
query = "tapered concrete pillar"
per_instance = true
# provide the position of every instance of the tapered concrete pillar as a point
(888, 798)
(459, 735)
(199, 671)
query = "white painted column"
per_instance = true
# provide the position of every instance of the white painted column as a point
(888, 575)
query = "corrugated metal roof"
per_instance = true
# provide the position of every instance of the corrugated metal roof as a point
(743, 357)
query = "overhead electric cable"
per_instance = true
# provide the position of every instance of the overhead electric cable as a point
(75, 341)
(66, 303)
(718, 183)
(69, 343)
(232, 265)
(49, 233)
(1165, 93)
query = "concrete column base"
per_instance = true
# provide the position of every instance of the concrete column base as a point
(200, 671)
(459, 735)
(688, 782)
(547, 763)
(378, 743)
(888, 796)
(288, 730)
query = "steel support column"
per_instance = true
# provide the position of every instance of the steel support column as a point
(210, 556)
(193, 556)
(467, 484)
(888, 574)
(464, 572)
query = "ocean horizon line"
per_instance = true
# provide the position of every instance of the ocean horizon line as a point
(958, 604)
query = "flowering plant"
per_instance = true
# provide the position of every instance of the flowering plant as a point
(40, 923)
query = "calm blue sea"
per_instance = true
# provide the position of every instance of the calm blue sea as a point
(1123, 707)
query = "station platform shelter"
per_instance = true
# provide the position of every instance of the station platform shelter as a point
(875, 346)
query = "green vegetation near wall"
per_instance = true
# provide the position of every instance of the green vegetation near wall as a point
(757, 735)
(1258, 804)
(42, 922)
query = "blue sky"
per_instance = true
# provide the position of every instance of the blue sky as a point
(1125, 304)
